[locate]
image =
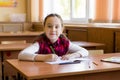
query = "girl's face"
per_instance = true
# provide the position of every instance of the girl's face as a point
(53, 28)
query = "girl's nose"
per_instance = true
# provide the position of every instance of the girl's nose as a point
(53, 28)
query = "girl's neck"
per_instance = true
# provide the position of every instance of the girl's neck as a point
(53, 41)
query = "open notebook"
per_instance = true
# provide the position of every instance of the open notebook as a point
(114, 59)
(70, 61)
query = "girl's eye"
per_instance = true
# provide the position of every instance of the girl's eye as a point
(49, 26)
(56, 27)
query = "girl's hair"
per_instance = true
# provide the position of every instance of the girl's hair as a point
(53, 15)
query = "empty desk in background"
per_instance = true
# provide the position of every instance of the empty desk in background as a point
(28, 36)
(44, 71)
(89, 45)
(10, 47)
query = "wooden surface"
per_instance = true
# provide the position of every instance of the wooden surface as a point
(19, 33)
(104, 36)
(28, 36)
(17, 46)
(117, 41)
(41, 70)
(88, 44)
(77, 34)
(94, 33)
(12, 47)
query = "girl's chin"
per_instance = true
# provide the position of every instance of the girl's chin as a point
(53, 39)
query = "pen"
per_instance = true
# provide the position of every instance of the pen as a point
(52, 50)
(95, 63)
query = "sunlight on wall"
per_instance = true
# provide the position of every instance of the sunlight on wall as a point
(35, 10)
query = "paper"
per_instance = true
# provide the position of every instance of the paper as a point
(70, 61)
(112, 59)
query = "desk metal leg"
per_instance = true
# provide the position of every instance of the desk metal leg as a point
(18, 76)
(2, 62)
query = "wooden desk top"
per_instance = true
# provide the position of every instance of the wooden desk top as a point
(7, 47)
(38, 70)
(17, 46)
(87, 44)
(20, 33)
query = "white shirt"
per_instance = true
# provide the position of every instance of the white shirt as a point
(29, 52)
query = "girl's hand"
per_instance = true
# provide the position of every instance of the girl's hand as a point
(51, 57)
(68, 56)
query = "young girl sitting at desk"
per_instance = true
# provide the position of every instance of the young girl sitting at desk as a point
(52, 43)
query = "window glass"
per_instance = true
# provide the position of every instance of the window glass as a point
(62, 7)
(70, 10)
(78, 8)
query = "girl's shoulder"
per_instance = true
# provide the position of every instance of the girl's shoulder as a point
(40, 37)
(64, 39)
(63, 36)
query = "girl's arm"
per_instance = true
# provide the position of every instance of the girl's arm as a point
(75, 51)
(29, 54)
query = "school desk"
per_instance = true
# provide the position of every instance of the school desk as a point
(14, 47)
(10, 47)
(28, 36)
(89, 45)
(45, 71)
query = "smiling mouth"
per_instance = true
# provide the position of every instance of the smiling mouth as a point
(52, 34)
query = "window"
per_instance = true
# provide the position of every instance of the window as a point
(73, 11)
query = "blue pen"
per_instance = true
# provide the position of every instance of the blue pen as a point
(74, 62)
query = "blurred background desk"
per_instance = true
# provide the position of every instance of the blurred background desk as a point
(9, 51)
(28, 36)
(92, 47)
(89, 45)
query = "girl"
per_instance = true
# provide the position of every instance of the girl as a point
(52, 43)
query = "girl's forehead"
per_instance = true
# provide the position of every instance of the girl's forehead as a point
(53, 19)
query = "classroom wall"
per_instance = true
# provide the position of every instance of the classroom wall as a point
(5, 12)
